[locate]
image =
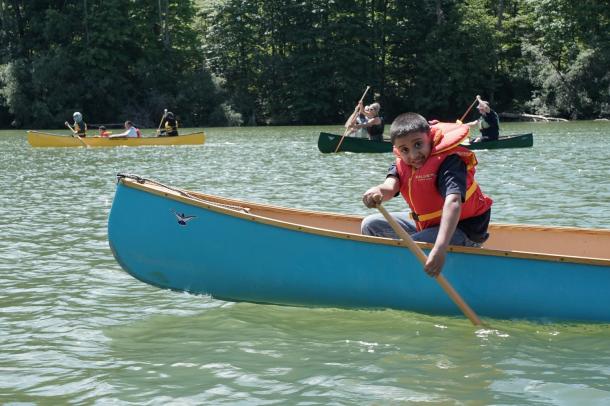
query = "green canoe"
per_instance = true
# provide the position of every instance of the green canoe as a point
(328, 143)
(508, 141)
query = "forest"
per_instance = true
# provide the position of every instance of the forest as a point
(293, 62)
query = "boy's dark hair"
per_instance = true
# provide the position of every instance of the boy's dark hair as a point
(102, 127)
(408, 123)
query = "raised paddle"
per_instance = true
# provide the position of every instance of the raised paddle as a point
(421, 256)
(469, 108)
(350, 119)
(76, 135)
(161, 122)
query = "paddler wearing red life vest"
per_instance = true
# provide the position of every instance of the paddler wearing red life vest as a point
(435, 175)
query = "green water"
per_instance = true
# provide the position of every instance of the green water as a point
(75, 328)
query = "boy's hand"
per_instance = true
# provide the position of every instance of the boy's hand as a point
(372, 197)
(435, 262)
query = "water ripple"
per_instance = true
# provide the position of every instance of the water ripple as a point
(75, 328)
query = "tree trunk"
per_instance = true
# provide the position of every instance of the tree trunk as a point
(20, 28)
(500, 14)
(383, 50)
(86, 23)
(439, 13)
(163, 10)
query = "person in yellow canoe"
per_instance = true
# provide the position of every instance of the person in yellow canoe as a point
(79, 127)
(435, 175)
(170, 125)
(130, 132)
(103, 132)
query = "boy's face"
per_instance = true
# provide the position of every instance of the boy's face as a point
(413, 148)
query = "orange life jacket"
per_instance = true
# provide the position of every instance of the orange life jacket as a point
(105, 133)
(418, 186)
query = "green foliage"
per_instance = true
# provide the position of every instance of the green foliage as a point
(570, 54)
(112, 60)
(233, 62)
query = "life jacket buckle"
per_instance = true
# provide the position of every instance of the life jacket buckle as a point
(414, 216)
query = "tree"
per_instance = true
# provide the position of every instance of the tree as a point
(570, 52)
(112, 60)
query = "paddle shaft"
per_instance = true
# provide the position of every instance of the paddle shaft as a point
(469, 108)
(350, 119)
(161, 122)
(75, 135)
(421, 256)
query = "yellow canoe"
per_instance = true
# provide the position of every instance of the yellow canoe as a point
(42, 139)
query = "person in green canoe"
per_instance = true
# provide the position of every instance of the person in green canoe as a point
(489, 122)
(370, 120)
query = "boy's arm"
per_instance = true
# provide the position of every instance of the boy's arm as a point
(452, 209)
(382, 192)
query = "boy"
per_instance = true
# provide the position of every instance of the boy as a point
(104, 132)
(435, 175)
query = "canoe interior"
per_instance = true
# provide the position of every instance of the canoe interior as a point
(563, 243)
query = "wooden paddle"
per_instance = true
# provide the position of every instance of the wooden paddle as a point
(350, 119)
(75, 135)
(161, 122)
(421, 256)
(469, 108)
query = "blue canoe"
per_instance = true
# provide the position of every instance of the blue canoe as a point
(242, 251)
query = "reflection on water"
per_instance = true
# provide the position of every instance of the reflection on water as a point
(76, 328)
